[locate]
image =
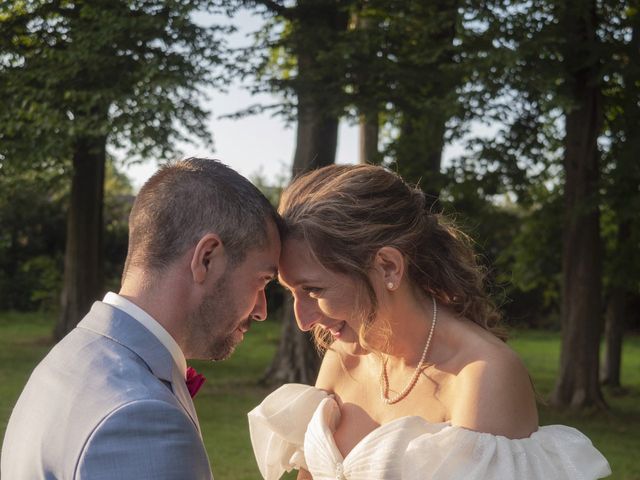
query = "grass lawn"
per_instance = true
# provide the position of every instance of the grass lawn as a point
(231, 391)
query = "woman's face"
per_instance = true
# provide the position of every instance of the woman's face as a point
(321, 297)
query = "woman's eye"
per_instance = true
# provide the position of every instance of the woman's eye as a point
(312, 291)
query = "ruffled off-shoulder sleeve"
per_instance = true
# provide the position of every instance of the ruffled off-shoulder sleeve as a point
(554, 452)
(277, 427)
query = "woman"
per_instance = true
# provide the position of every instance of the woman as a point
(416, 381)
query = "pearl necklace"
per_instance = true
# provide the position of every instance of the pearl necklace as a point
(384, 379)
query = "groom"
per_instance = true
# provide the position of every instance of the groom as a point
(110, 400)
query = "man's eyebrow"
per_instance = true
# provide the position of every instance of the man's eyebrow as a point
(272, 273)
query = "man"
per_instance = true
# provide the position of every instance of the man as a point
(110, 400)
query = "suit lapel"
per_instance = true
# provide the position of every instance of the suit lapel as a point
(181, 391)
(120, 327)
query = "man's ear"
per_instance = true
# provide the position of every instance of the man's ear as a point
(389, 262)
(208, 258)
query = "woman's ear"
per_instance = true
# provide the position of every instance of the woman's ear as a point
(208, 258)
(390, 263)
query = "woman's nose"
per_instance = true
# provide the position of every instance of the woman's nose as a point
(306, 313)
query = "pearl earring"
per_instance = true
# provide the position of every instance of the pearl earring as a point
(390, 285)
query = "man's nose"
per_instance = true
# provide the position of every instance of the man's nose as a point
(259, 312)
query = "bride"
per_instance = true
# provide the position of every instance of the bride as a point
(417, 381)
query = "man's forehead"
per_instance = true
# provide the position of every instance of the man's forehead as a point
(273, 232)
(263, 260)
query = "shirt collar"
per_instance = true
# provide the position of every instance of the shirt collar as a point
(150, 324)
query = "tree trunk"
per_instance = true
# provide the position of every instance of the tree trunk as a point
(419, 150)
(625, 188)
(297, 360)
(578, 385)
(368, 133)
(422, 126)
(368, 123)
(82, 282)
(316, 138)
(614, 332)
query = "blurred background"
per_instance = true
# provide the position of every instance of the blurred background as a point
(520, 119)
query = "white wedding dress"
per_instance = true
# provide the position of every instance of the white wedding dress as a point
(293, 428)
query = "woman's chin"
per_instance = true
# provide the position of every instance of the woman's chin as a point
(349, 345)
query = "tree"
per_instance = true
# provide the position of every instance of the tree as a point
(553, 59)
(622, 177)
(77, 76)
(570, 64)
(577, 385)
(540, 76)
(368, 107)
(311, 72)
(429, 77)
(405, 70)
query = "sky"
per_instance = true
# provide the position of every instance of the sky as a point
(257, 144)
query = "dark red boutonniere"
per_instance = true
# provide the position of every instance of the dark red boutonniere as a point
(194, 381)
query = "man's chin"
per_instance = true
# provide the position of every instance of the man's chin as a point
(218, 357)
(220, 354)
(225, 350)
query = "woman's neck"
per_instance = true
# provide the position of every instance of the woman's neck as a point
(409, 317)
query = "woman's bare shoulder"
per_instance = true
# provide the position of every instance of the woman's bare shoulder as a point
(493, 393)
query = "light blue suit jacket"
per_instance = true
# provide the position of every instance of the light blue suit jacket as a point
(107, 402)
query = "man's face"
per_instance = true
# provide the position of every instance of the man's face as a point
(238, 297)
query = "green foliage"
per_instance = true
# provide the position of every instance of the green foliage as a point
(522, 271)
(45, 280)
(118, 201)
(32, 236)
(128, 70)
(32, 214)
(534, 255)
(78, 76)
(272, 190)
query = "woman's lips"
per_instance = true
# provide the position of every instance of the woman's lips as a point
(336, 330)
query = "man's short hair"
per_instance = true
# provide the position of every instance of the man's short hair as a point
(187, 199)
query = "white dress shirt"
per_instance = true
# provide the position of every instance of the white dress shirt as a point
(150, 324)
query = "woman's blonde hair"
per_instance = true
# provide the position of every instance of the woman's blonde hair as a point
(347, 213)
